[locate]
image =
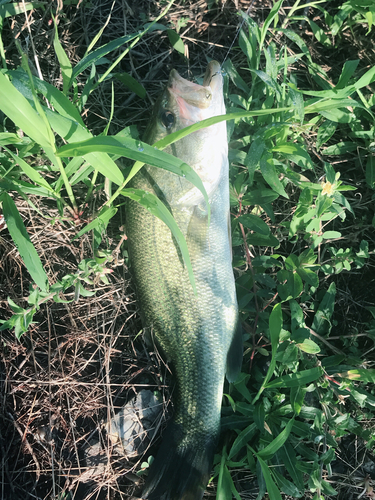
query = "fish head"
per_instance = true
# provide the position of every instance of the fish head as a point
(184, 103)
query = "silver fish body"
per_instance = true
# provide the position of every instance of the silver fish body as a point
(198, 334)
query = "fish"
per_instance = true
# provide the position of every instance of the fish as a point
(199, 334)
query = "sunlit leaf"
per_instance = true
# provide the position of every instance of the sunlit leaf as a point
(23, 243)
(297, 379)
(176, 41)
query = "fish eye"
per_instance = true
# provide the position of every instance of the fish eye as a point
(167, 119)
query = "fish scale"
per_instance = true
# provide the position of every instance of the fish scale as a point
(198, 334)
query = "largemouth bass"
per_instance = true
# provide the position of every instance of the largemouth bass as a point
(199, 335)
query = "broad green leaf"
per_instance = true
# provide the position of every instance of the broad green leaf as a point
(339, 198)
(91, 80)
(252, 160)
(323, 202)
(330, 104)
(11, 9)
(241, 386)
(156, 207)
(259, 196)
(94, 56)
(325, 132)
(259, 415)
(176, 41)
(7, 138)
(363, 374)
(297, 101)
(59, 101)
(346, 73)
(235, 77)
(275, 326)
(271, 16)
(330, 93)
(289, 458)
(257, 239)
(70, 130)
(271, 177)
(319, 34)
(286, 486)
(276, 323)
(370, 171)
(297, 396)
(292, 35)
(33, 174)
(340, 148)
(272, 84)
(329, 235)
(339, 115)
(248, 46)
(23, 243)
(15, 308)
(338, 20)
(268, 452)
(254, 223)
(322, 319)
(366, 79)
(179, 134)
(103, 217)
(81, 174)
(23, 188)
(65, 65)
(292, 288)
(297, 379)
(328, 489)
(291, 262)
(243, 439)
(131, 83)
(81, 291)
(224, 482)
(136, 150)
(309, 346)
(272, 489)
(20, 111)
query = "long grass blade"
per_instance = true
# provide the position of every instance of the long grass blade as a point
(23, 243)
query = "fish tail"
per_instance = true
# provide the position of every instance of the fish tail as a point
(181, 470)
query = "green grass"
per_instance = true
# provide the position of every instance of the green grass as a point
(292, 204)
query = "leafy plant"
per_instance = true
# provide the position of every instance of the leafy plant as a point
(283, 421)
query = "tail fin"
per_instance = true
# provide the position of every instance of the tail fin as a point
(182, 467)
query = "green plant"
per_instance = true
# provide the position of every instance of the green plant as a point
(42, 115)
(284, 421)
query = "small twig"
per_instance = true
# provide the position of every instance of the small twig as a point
(28, 446)
(32, 43)
(328, 344)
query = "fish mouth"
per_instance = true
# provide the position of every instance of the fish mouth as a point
(213, 76)
(200, 96)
